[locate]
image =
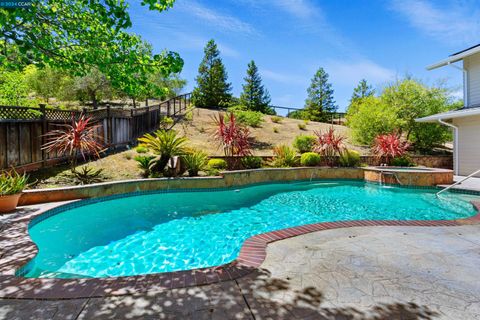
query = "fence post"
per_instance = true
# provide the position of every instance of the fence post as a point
(44, 132)
(168, 108)
(149, 117)
(131, 127)
(109, 126)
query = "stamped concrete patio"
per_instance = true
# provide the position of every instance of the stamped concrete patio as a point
(353, 273)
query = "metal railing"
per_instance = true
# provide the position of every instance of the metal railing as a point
(458, 182)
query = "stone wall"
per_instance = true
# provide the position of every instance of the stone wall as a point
(229, 179)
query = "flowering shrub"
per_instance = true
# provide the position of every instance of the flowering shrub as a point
(389, 146)
(329, 145)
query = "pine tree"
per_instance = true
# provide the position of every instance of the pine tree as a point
(362, 90)
(213, 88)
(320, 101)
(254, 96)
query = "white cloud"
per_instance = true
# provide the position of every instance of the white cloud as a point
(345, 73)
(222, 21)
(455, 23)
(302, 9)
(282, 77)
(195, 42)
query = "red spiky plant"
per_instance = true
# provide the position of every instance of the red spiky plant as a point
(79, 137)
(389, 146)
(329, 145)
(232, 137)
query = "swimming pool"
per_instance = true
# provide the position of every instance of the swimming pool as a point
(163, 232)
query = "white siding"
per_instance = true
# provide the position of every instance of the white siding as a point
(472, 65)
(468, 144)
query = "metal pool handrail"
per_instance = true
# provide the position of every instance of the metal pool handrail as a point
(458, 182)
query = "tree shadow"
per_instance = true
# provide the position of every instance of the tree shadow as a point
(256, 296)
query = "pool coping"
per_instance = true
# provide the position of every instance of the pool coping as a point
(251, 256)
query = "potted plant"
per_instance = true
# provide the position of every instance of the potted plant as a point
(11, 187)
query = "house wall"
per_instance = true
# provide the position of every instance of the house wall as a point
(468, 144)
(472, 65)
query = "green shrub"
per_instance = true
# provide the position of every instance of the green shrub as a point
(12, 183)
(275, 130)
(284, 156)
(349, 158)
(403, 161)
(306, 121)
(247, 117)
(252, 162)
(304, 143)
(141, 149)
(166, 122)
(195, 161)
(276, 119)
(165, 144)
(310, 159)
(144, 163)
(218, 164)
(302, 126)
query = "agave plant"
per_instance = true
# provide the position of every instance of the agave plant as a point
(12, 183)
(87, 175)
(195, 161)
(389, 146)
(329, 145)
(165, 144)
(232, 137)
(80, 137)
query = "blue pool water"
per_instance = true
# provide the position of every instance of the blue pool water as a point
(186, 230)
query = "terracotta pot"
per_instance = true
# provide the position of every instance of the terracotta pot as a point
(9, 203)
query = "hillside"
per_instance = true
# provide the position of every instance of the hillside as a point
(199, 132)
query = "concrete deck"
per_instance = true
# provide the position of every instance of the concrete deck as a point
(472, 184)
(354, 273)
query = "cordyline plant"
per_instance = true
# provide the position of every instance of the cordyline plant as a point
(232, 137)
(72, 140)
(389, 146)
(329, 145)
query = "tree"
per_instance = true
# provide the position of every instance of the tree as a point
(166, 87)
(213, 88)
(362, 90)
(92, 87)
(47, 82)
(13, 88)
(91, 34)
(370, 119)
(320, 99)
(396, 110)
(410, 99)
(254, 96)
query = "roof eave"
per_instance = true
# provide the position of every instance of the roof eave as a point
(450, 115)
(455, 58)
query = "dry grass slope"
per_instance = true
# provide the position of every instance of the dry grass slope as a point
(200, 130)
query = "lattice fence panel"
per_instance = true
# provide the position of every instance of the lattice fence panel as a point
(19, 113)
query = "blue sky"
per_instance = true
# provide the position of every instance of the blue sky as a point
(379, 40)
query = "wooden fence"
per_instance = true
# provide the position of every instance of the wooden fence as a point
(22, 130)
